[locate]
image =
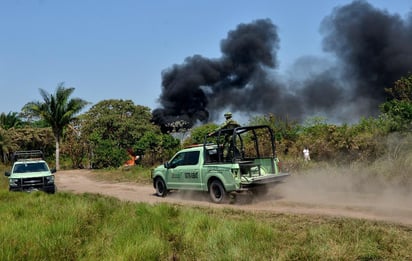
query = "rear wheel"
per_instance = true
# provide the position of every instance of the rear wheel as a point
(217, 191)
(160, 185)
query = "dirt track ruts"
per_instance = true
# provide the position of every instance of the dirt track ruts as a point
(293, 197)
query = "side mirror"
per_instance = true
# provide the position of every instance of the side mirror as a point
(169, 165)
(53, 170)
(7, 174)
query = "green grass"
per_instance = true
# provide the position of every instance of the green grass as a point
(64, 226)
(136, 174)
(4, 183)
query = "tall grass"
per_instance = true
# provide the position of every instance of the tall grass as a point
(4, 183)
(38, 226)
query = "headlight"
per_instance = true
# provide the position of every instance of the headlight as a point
(13, 182)
(50, 179)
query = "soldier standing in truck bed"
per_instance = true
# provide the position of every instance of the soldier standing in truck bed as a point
(228, 124)
(228, 148)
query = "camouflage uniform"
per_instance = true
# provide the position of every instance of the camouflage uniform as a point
(229, 123)
(228, 147)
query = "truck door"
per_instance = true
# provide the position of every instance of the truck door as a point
(174, 174)
(183, 172)
(191, 171)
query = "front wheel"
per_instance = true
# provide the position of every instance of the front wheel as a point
(160, 186)
(217, 191)
(53, 190)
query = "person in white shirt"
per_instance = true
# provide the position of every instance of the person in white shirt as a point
(306, 155)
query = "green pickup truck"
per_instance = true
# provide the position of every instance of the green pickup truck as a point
(30, 172)
(229, 161)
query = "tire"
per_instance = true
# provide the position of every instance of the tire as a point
(54, 190)
(50, 190)
(217, 192)
(160, 186)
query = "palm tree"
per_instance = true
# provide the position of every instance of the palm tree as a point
(10, 120)
(57, 110)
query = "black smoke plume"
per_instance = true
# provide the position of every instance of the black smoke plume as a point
(372, 49)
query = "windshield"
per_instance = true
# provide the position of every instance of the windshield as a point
(30, 167)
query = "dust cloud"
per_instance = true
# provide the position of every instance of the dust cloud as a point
(335, 186)
(355, 192)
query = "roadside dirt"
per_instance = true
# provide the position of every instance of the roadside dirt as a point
(309, 195)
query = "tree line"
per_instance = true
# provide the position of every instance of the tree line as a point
(111, 131)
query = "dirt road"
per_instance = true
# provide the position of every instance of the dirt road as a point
(312, 195)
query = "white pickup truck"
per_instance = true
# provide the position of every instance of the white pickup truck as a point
(30, 172)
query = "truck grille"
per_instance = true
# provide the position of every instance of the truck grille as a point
(32, 182)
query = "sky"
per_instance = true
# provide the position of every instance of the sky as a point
(109, 49)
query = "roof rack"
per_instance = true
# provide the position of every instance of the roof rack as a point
(193, 145)
(27, 155)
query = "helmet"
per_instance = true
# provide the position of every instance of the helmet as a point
(228, 114)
